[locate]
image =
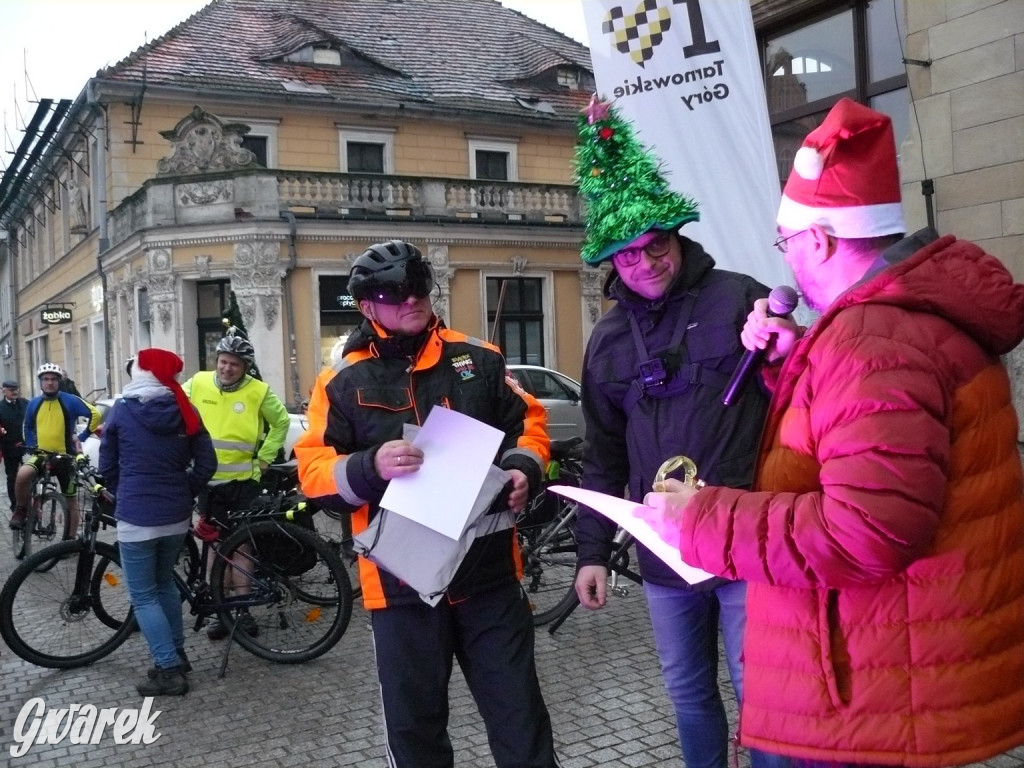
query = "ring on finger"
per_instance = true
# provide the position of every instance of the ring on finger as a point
(398, 460)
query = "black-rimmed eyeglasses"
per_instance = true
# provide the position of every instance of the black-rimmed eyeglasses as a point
(656, 248)
(780, 243)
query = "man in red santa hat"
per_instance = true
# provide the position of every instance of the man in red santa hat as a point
(883, 541)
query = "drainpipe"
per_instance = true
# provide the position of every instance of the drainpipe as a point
(100, 207)
(289, 312)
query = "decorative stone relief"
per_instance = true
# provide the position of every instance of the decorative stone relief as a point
(203, 264)
(591, 283)
(258, 273)
(203, 143)
(518, 264)
(160, 285)
(437, 255)
(205, 193)
(78, 201)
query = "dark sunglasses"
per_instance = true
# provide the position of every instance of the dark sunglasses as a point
(418, 282)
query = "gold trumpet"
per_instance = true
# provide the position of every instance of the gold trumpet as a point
(671, 465)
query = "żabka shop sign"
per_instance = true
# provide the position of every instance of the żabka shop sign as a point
(54, 315)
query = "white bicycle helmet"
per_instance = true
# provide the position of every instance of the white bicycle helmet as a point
(50, 368)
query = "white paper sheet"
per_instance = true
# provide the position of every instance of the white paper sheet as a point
(621, 512)
(457, 451)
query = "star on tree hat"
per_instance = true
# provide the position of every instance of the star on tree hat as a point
(164, 366)
(845, 177)
(622, 184)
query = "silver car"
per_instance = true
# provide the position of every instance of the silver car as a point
(91, 447)
(559, 395)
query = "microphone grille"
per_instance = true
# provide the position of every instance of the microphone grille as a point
(782, 300)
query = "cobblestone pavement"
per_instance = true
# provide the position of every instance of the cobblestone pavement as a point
(599, 674)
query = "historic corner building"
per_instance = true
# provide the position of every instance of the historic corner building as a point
(259, 146)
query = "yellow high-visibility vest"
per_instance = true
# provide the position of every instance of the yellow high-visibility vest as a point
(234, 423)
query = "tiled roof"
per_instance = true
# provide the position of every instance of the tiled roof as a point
(472, 56)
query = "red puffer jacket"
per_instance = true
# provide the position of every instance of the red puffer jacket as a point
(884, 544)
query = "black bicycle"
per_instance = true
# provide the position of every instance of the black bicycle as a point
(46, 516)
(280, 573)
(547, 542)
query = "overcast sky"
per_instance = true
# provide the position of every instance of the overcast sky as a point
(62, 43)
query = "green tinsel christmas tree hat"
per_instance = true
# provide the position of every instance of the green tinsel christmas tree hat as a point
(622, 184)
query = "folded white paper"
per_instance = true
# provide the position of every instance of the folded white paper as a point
(621, 511)
(458, 451)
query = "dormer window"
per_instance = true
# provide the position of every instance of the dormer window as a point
(326, 55)
(569, 78)
(323, 53)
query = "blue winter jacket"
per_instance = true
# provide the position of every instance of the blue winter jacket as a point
(154, 469)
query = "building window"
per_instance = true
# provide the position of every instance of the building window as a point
(855, 51)
(364, 157)
(519, 315)
(38, 353)
(213, 297)
(144, 336)
(261, 139)
(493, 159)
(366, 150)
(339, 315)
(568, 78)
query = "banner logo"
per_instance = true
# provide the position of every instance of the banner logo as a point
(637, 34)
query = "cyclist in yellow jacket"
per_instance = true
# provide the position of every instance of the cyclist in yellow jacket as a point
(237, 409)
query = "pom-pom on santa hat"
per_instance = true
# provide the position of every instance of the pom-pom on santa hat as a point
(845, 177)
(164, 366)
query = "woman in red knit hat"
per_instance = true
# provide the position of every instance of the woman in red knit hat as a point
(155, 455)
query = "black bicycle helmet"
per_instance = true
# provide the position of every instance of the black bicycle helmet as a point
(389, 273)
(235, 344)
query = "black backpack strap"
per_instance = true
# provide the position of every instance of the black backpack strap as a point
(638, 389)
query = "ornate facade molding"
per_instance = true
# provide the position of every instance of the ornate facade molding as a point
(437, 255)
(518, 264)
(205, 193)
(203, 143)
(160, 285)
(256, 280)
(203, 265)
(591, 283)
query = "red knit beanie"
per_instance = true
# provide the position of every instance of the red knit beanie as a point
(165, 365)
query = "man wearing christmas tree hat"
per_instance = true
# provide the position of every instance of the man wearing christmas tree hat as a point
(654, 373)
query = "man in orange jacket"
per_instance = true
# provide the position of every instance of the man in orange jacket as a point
(396, 367)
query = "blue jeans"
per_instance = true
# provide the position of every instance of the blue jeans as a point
(148, 567)
(685, 627)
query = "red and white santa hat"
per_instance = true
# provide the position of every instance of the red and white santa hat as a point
(164, 367)
(845, 177)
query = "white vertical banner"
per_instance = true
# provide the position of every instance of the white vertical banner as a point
(686, 74)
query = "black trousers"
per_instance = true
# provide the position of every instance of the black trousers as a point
(491, 635)
(12, 460)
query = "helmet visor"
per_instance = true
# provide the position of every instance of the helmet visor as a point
(418, 282)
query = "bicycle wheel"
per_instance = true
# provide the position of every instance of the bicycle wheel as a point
(549, 563)
(52, 521)
(45, 620)
(298, 592)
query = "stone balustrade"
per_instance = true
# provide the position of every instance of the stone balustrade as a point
(217, 198)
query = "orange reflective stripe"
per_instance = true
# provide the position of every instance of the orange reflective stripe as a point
(369, 575)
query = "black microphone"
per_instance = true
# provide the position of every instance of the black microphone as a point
(781, 301)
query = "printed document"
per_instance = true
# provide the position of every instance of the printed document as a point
(621, 512)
